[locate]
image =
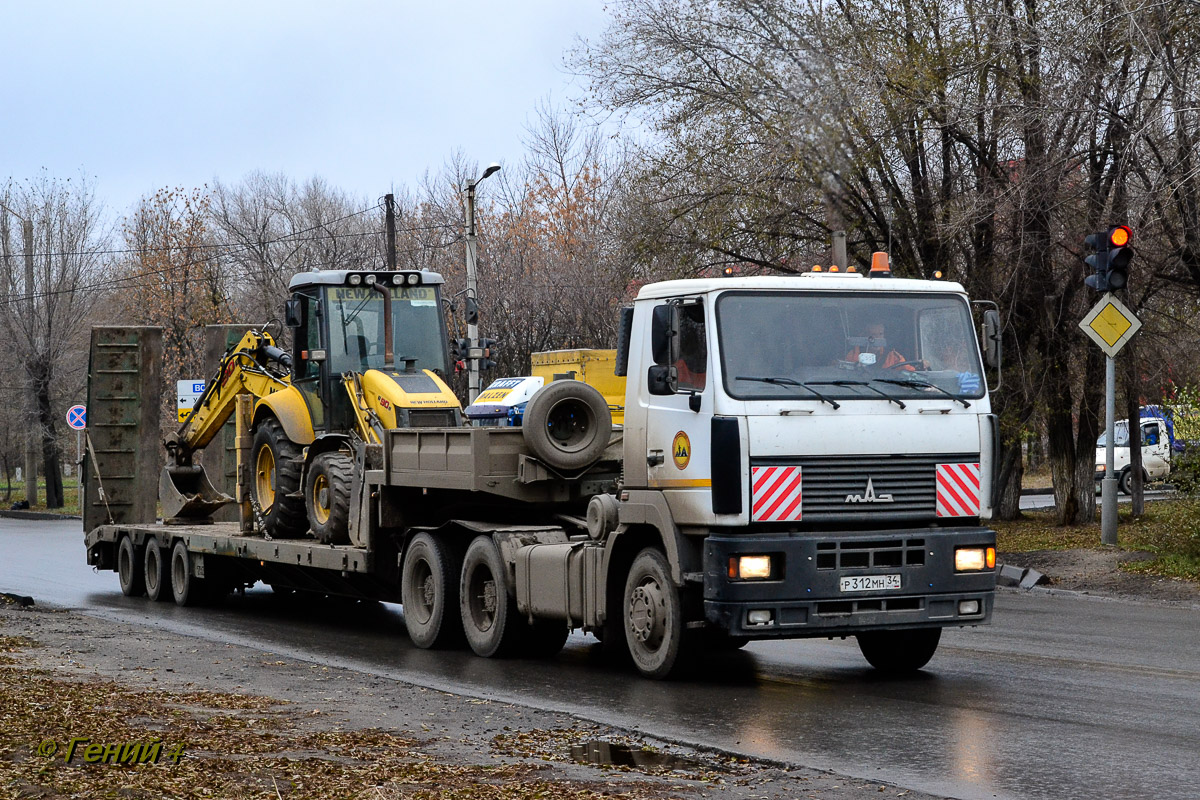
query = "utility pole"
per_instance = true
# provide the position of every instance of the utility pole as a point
(474, 351)
(390, 202)
(31, 484)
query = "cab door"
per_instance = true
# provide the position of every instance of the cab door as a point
(680, 421)
(1156, 450)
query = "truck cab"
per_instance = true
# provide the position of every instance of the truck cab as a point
(824, 444)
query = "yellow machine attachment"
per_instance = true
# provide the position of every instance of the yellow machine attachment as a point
(386, 399)
(253, 366)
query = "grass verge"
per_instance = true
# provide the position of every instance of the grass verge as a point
(1170, 530)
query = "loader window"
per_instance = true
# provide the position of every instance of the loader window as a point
(356, 328)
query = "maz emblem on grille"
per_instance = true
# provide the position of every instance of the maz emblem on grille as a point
(869, 496)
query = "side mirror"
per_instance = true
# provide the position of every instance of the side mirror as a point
(660, 334)
(991, 338)
(661, 379)
(293, 312)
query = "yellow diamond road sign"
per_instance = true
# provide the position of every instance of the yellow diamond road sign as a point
(1110, 324)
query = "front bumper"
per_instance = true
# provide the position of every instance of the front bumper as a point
(804, 597)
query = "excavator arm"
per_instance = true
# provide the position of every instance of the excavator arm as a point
(253, 366)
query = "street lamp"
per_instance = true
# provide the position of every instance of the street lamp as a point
(474, 352)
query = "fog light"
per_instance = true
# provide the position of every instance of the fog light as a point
(969, 559)
(750, 568)
(759, 616)
(968, 607)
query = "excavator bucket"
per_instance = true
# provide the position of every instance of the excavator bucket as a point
(186, 494)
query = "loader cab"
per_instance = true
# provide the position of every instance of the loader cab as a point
(338, 318)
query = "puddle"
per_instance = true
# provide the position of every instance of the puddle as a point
(620, 755)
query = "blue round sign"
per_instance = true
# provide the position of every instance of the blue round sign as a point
(77, 417)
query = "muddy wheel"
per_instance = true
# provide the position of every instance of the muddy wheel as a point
(898, 652)
(158, 577)
(429, 593)
(327, 495)
(490, 619)
(545, 638)
(567, 424)
(186, 588)
(653, 614)
(129, 569)
(277, 481)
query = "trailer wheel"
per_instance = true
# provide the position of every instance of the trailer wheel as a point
(277, 481)
(429, 593)
(653, 613)
(327, 494)
(158, 576)
(129, 569)
(185, 586)
(899, 652)
(490, 618)
(567, 424)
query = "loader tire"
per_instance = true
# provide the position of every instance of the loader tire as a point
(277, 481)
(327, 495)
(567, 424)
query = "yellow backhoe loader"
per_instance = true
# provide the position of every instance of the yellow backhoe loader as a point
(368, 348)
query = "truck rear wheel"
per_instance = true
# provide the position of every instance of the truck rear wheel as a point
(277, 481)
(429, 593)
(158, 576)
(490, 619)
(327, 493)
(129, 569)
(567, 424)
(653, 613)
(899, 652)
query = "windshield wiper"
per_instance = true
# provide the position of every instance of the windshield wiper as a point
(866, 385)
(923, 384)
(789, 382)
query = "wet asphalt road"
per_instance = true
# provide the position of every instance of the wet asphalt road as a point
(1063, 696)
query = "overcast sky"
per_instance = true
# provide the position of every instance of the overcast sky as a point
(142, 95)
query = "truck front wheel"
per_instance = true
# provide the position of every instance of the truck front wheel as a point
(428, 591)
(277, 481)
(653, 614)
(1125, 480)
(898, 652)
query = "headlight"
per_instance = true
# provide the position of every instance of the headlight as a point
(750, 568)
(397, 279)
(370, 280)
(355, 280)
(974, 559)
(414, 279)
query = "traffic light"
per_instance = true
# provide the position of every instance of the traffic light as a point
(489, 349)
(1110, 261)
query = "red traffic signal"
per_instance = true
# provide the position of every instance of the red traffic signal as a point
(1110, 261)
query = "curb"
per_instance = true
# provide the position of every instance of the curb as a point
(37, 515)
(1024, 577)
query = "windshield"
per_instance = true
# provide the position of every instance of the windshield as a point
(356, 328)
(847, 346)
